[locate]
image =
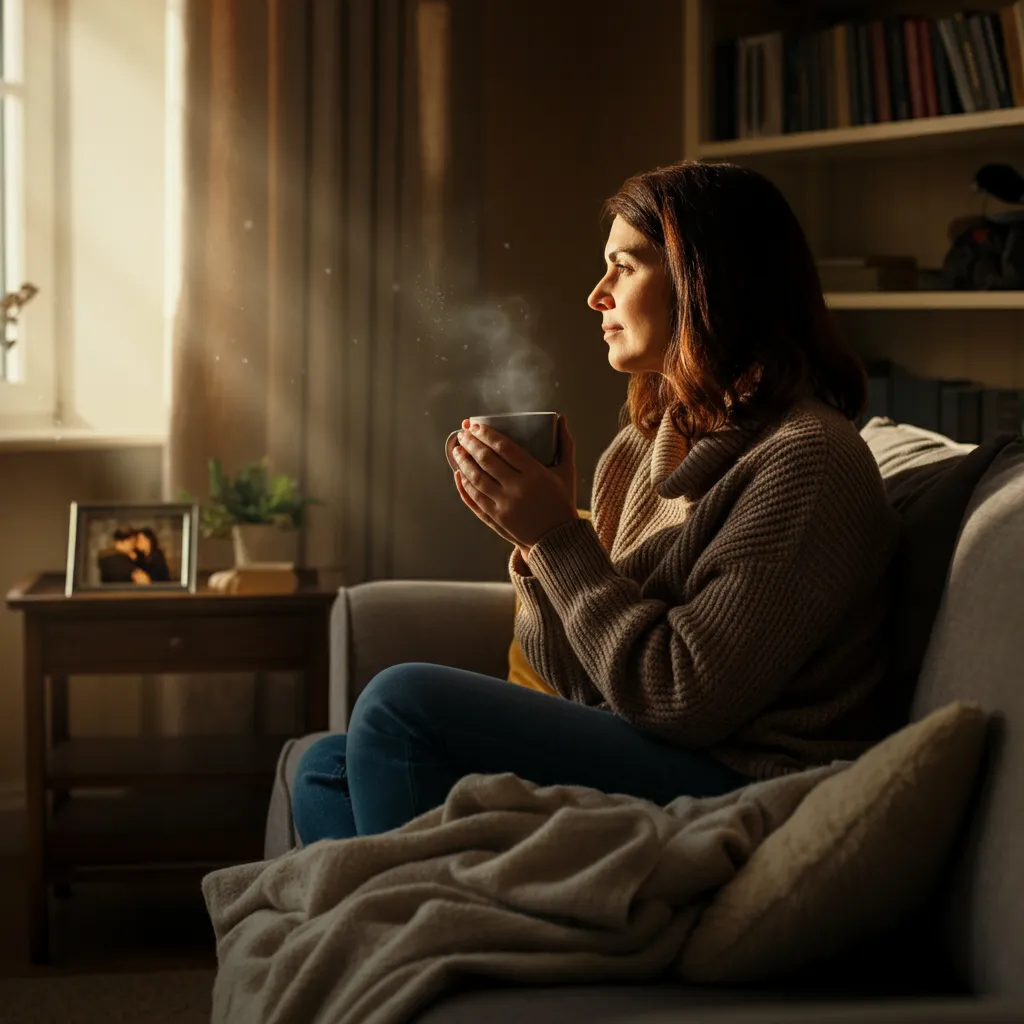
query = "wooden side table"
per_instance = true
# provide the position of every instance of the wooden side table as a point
(175, 785)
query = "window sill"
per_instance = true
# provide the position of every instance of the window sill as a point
(53, 439)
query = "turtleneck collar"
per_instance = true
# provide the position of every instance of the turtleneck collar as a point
(677, 473)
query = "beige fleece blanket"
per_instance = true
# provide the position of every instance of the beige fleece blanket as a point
(508, 881)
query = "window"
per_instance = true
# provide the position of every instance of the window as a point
(27, 395)
(87, 160)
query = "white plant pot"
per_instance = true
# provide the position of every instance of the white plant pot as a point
(264, 544)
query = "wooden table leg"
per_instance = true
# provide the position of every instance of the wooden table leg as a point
(59, 731)
(35, 792)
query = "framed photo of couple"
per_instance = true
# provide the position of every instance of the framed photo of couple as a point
(134, 548)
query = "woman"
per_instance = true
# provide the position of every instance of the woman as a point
(720, 620)
(151, 560)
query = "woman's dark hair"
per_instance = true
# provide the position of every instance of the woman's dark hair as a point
(125, 532)
(750, 328)
(148, 533)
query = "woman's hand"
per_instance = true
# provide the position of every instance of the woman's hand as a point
(509, 490)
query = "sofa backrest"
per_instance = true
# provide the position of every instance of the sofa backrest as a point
(976, 652)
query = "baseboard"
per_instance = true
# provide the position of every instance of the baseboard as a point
(12, 821)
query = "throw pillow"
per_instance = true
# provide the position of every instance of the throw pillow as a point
(860, 853)
(520, 671)
(929, 480)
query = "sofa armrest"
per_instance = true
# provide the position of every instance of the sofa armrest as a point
(375, 625)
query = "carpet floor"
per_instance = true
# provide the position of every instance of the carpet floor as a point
(157, 997)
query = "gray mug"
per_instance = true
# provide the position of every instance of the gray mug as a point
(534, 432)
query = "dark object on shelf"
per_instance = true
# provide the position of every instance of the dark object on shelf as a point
(1001, 181)
(987, 254)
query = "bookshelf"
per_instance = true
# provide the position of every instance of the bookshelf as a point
(925, 300)
(889, 188)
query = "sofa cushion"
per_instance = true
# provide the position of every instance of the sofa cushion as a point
(909, 458)
(977, 653)
(929, 480)
(860, 853)
(280, 836)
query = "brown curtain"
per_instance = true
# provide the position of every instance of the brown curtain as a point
(301, 196)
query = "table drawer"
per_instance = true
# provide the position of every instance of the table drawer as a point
(236, 643)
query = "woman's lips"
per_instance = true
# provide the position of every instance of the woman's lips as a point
(610, 329)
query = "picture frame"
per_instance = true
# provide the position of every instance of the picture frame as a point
(135, 549)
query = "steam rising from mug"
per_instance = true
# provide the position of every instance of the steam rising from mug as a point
(518, 373)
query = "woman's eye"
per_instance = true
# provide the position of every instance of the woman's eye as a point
(624, 268)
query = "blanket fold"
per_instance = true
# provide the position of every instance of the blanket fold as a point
(507, 880)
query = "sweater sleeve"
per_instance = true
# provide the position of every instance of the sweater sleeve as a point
(745, 594)
(542, 638)
(538, 627)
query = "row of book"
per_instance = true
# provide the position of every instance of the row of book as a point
(962, 410)
(869, 72)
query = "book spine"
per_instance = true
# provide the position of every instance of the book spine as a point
(867, 77)
(791, 84)
(852, 75)
(828, 74)
(979, 44)
(1018, 34)
(949, 410)
(957, 63)
(898, 81)
(841, 66)
(970, 61)
(944, 84)
(756, 90)
(725, 90)
(883, 103)
(742, 93)
(1012, 52)
(989, 413)
(914, 71)
(775, 84)
(924, 49)
(819, 110)
(997, 49)
(969, 429)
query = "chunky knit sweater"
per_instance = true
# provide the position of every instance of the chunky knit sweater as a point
(730, 598)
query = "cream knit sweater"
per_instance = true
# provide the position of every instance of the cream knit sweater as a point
(730, 599)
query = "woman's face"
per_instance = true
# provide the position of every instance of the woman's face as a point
(634, 299)
(142, 544)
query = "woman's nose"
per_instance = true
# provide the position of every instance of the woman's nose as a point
(600, 298)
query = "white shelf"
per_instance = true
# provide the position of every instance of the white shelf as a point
(989, 126)
(925, 300)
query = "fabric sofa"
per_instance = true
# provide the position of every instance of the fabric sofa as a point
(961, 957)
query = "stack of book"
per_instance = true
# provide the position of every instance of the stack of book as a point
(869, 72)
(868, 274)
(258, 578)
(960, 409)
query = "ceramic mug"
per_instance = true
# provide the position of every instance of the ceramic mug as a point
(534, 432)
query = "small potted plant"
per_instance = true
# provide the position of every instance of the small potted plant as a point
(260, 511)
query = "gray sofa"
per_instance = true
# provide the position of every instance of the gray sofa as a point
(963, 956)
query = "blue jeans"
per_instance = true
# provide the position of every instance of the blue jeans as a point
(417, 729)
